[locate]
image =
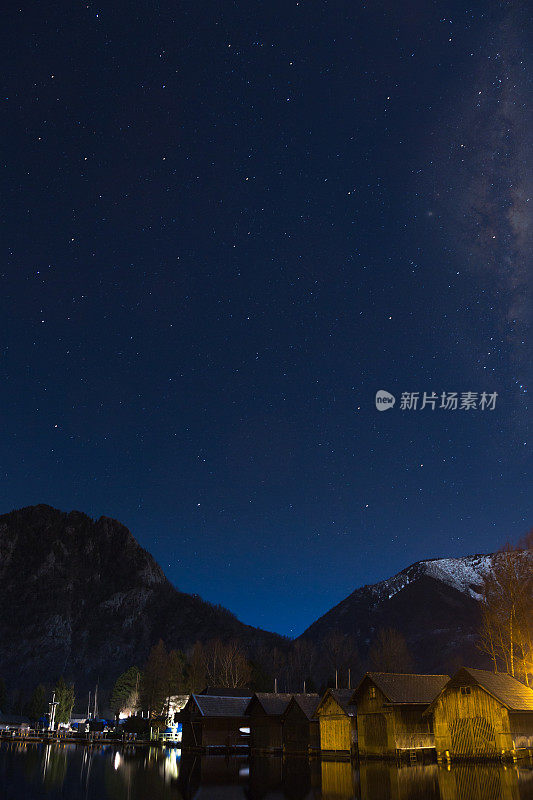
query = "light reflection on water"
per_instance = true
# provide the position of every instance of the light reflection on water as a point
(50, 772)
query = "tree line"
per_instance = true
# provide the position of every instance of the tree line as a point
(36, 706)
(228, 664)
(216, 663)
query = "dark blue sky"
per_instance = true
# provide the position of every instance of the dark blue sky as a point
(226, 225)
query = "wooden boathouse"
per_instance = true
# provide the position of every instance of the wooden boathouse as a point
(301, 733)
(483, 715)
(215, 722)
(390, 714)
(265, 714)
(337, 723)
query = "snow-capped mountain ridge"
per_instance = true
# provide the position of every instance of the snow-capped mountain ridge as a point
(466, 574)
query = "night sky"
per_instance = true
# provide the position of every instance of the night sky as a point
(226, 226)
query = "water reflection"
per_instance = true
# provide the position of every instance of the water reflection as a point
(209, 777)
(483, 783)
(383, 782)
(294, 778)
(54, 765)
(37, 771)
(338, 780)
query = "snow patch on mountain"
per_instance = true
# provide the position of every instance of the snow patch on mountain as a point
(465, 574)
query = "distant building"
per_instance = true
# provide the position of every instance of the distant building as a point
(337, 722)
(175, 704)
(390, 712)
(480, 714)
(77, 722)
(12, 722)
(301, 732)
(215, 722)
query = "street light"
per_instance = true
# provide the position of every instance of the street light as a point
(52, 713)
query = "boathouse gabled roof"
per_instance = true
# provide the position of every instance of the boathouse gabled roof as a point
(343, 698)
(272, 703)
(211, 706)
(512, 694)
(407, 689)
(308, 703)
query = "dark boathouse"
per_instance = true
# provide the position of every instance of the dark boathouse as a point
(301, 732)
(210, 721)
(265, 712)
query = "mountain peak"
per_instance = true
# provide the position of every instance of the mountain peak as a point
(433, 603)
(87, 601)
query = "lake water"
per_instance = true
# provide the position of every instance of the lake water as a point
(48, 772)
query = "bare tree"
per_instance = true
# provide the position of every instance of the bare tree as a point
(196, 672)
(235, 669)
(155, 679)
(222, 664)
(389, 652)
(341, 657)
(487, 641)
(506, 630)
(273, 662)
(526, 542)
(301, 664)
(212, 654)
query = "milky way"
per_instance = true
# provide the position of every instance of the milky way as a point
(488, 178)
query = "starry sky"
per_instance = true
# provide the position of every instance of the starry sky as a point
(226, 226)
